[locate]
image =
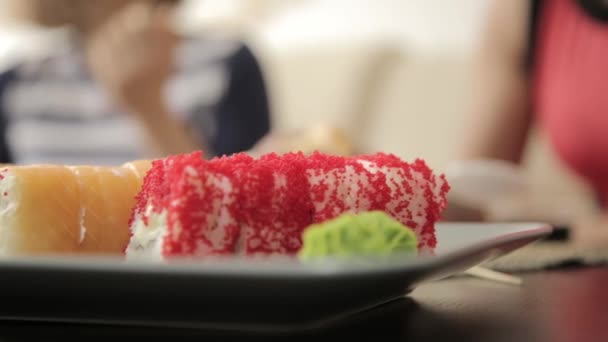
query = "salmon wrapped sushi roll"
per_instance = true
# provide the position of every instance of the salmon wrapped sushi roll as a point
(52, 209)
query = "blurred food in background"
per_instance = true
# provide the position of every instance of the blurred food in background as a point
(322, 138)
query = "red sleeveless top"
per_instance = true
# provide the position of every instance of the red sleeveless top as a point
(570, 92)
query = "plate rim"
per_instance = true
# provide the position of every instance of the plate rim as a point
(535, 231)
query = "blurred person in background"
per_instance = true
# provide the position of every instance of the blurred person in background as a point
(123, 85)
(545, 62)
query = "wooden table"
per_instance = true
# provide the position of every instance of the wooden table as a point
(564, 305)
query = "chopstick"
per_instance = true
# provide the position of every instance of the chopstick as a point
(488, 274)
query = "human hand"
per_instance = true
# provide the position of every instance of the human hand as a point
(132, 56)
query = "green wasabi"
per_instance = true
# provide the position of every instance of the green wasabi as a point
(372, 233)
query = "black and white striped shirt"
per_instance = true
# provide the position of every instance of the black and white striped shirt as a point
(51, 110)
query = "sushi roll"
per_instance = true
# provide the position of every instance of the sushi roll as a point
(275, 204)
(52, 209)
(410, 193)
(186, 206)
(229, 205)
(415, 196)
(238, 205)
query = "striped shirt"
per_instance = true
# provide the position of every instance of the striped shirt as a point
(52, 111)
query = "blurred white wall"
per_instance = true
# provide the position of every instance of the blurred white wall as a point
(435, 25)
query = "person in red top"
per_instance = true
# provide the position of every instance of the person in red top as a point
(545, 62)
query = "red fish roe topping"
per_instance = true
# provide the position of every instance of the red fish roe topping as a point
(433, 189)
(338, 185)
(275, 204)
(202, 205)
(155, 188)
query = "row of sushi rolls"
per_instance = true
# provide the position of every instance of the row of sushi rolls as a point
(310, 206)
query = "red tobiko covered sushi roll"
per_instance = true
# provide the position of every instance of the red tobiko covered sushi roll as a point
(410, 193)
(417, 196)
(187, 206)
(239, 205)
(275, 204)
